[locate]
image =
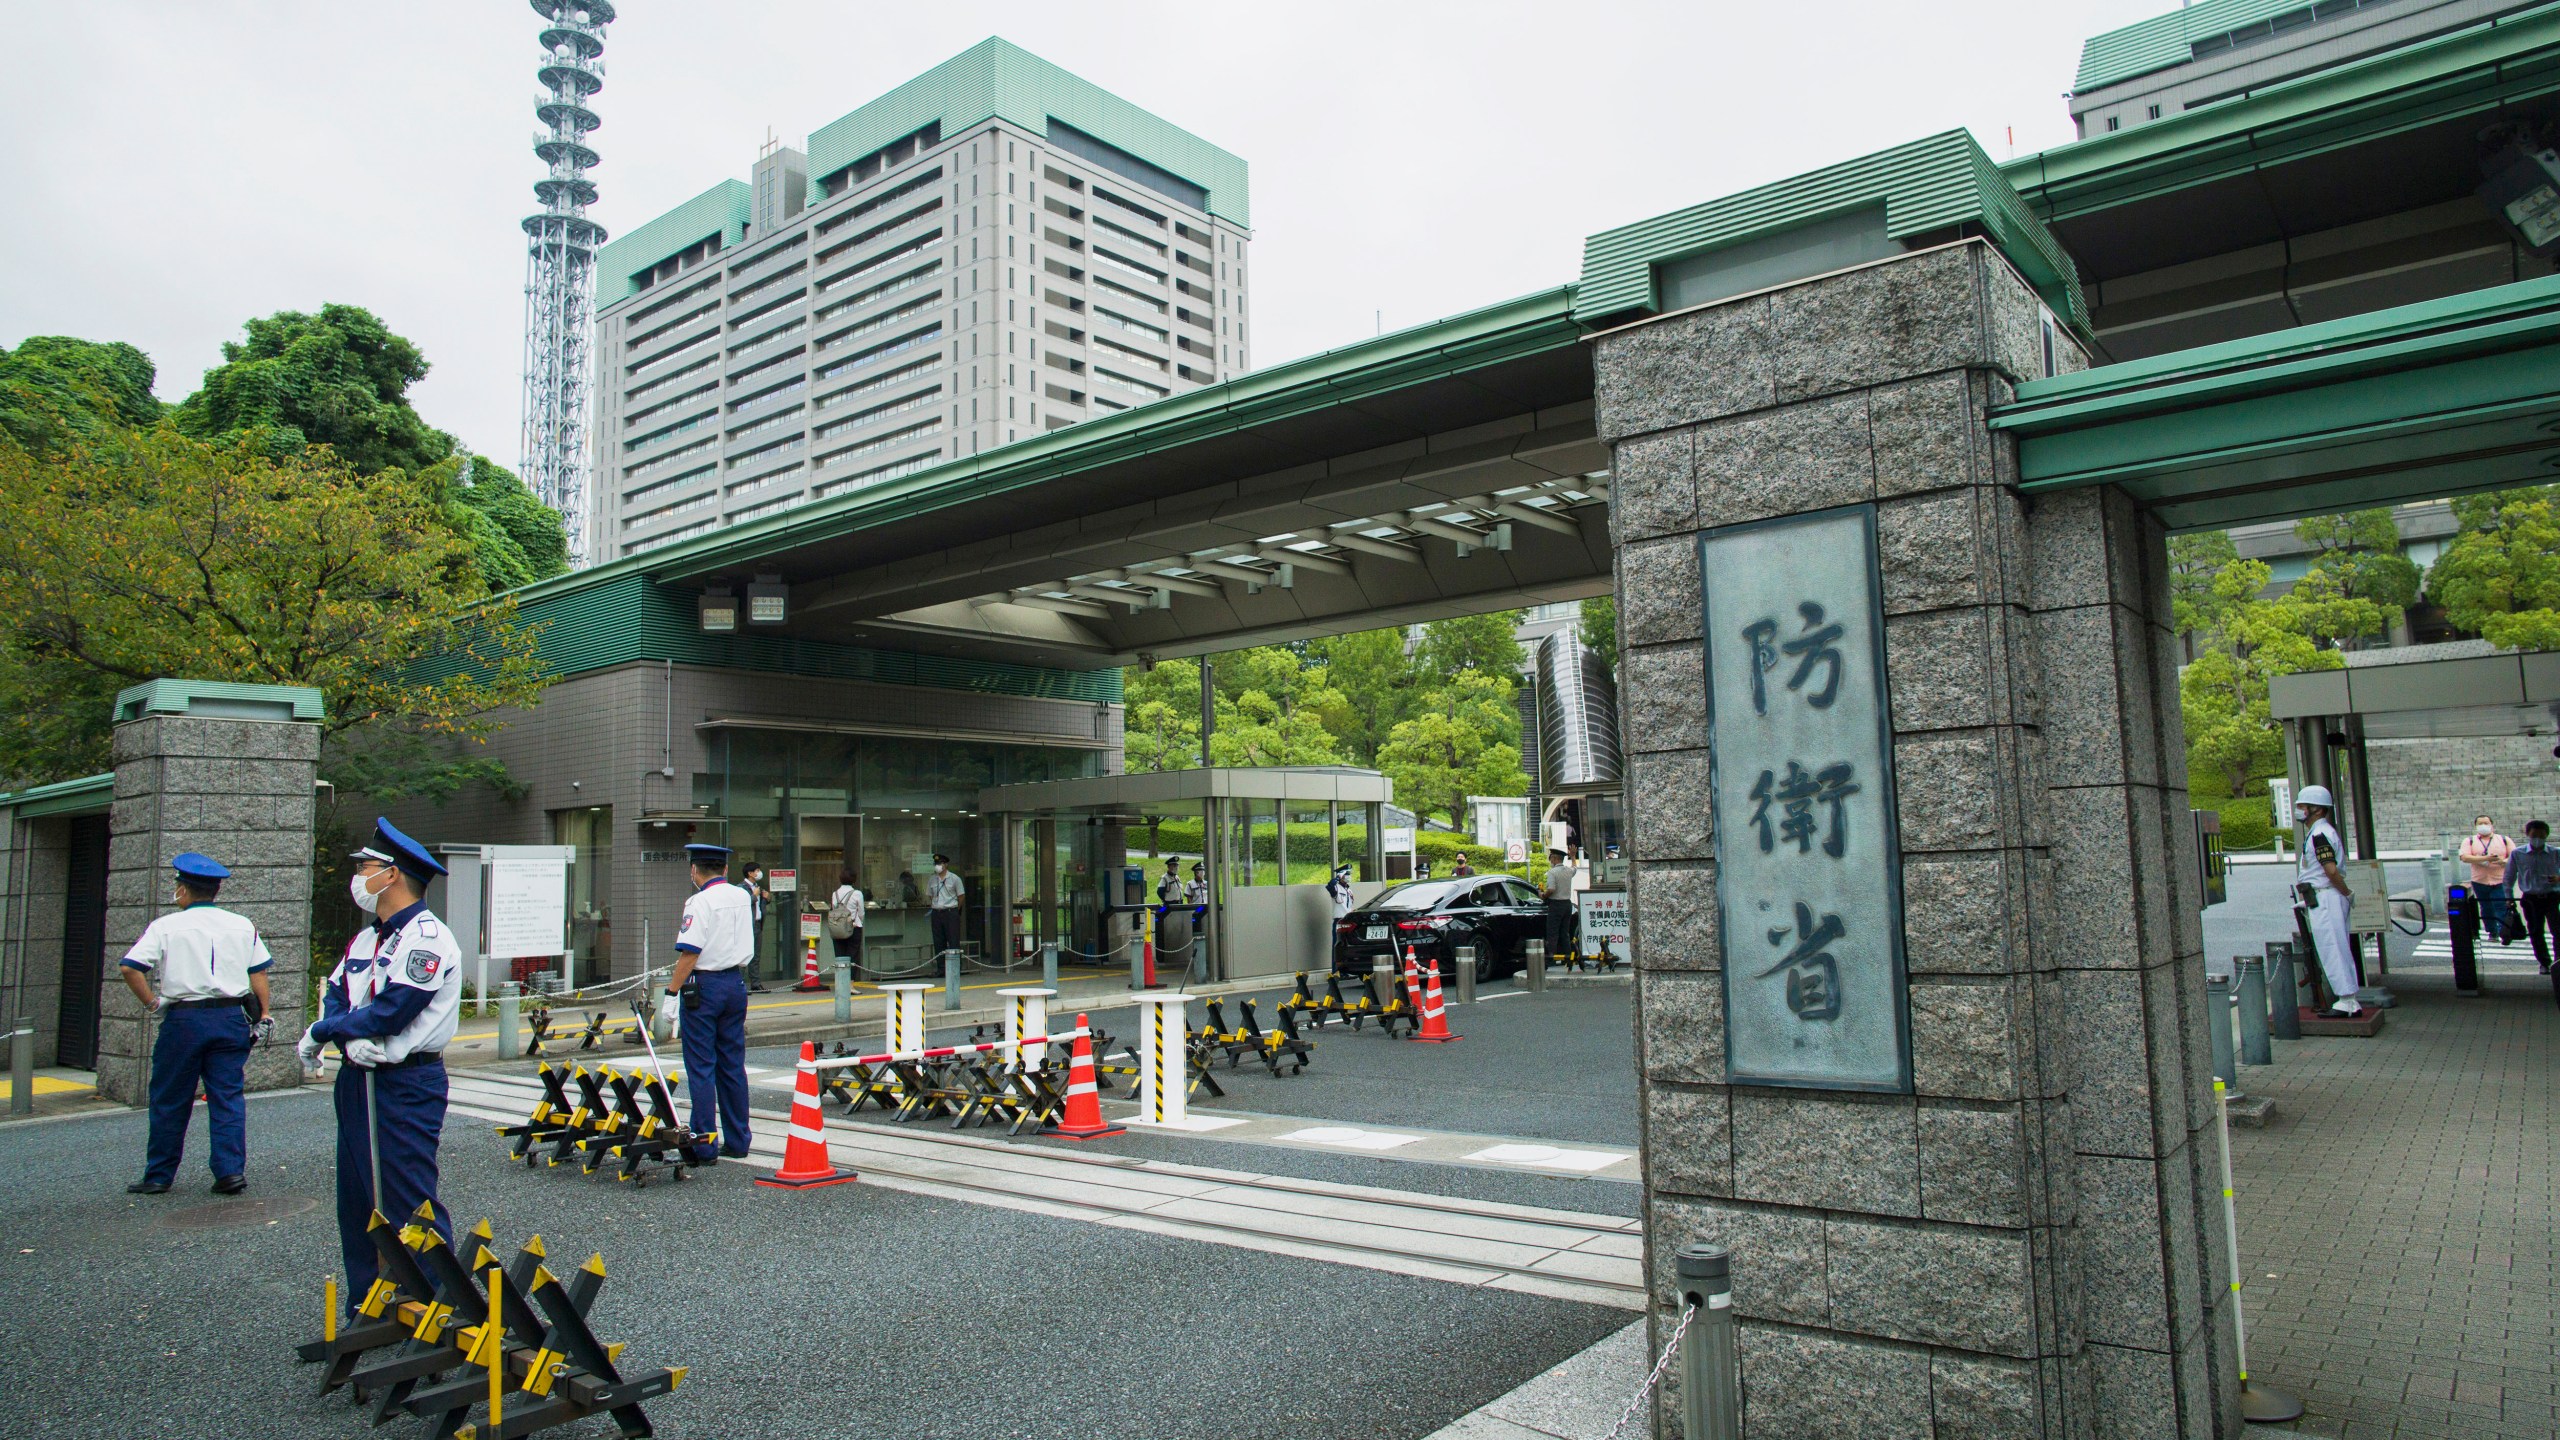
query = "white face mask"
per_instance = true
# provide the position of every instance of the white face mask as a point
(941, 869)
(362, 893)
(2484, 831)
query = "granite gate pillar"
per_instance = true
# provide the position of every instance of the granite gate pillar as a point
(2001, 1219)
(226, 769)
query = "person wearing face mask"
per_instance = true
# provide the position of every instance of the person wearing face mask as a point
(2321, 898)
(714, 943)
(2487, 853)
(2535, 874)
(942, 893)
(212, 1002)
(391, 1007)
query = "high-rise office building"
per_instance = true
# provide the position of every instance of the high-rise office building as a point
(993, 250)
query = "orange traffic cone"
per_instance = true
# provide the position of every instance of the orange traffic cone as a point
(809, 969)
(805, 1162)
(1435, 1018)
(1083, 1120)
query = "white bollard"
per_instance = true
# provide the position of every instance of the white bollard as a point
(906, 1017)
(1163, 1079)
(1027, 1015)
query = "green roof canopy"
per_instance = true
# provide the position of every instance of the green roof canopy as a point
(722, 209)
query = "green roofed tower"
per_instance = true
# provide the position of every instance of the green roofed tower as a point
(992, 250)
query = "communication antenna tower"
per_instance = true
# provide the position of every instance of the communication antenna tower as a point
(560, 263)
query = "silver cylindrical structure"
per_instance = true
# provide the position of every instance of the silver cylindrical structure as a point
(1577, 719)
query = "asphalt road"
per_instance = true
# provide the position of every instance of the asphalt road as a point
(845, 1311)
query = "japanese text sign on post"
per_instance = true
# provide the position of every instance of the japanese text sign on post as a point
(1808, 863)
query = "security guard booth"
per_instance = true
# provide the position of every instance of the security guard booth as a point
(53, 911)
(1266, 839)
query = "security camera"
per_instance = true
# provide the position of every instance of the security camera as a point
(573, 785)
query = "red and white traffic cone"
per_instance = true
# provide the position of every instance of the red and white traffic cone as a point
(1435, 1018)
(1083, 1119)
(809, 969)
(805, 1162)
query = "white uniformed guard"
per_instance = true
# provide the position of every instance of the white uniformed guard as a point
(715, 938)
(2321, 897)
(212, 998)
(1338, 889)
(391, 1005)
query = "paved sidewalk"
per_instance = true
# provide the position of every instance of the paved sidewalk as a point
(2404, 1204)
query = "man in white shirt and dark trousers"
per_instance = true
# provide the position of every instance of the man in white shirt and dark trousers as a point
(212, 998)
(714, 941)
(942, 895)
(2321, 899)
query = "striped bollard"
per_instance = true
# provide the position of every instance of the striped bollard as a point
(906, 1017)
(1028, 1014)
(1163, 1080)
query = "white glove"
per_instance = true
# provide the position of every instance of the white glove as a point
(309, 1049)
(669, 1006)
(367, 1053)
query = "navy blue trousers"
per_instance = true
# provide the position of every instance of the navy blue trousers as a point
(208, 1046)
(715, 1060)
(408, 1111)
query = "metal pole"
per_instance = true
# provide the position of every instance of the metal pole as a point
(844, 989)
(373, 1142)
(950, 979)
(510, 1009)
(1536, 950)
(2217, 1014)
(1049, 964)
(2360, 791)
(2256, 1047)
(1208, 709)
(2258, 1403)
(22, 1067)
(1466, 976)
(1137, 960)
(1710, 1375)
(2282, 989)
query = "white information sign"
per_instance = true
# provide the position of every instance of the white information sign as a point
(528, 899)
(1809, 879)
(1515, 852)
(1604, 923)
(782, 882)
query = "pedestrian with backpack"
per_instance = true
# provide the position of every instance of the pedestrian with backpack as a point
(844, 920)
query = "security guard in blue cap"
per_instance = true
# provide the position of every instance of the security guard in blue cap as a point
(212, 998)
(391, 1005)
(709, 990)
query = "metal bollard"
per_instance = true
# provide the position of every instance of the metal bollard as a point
(1465, 966)
(510, 1007)
(950, 979)
(1710, 1374)
(1536, 950)
(1137, 961)
(2217, 1014)
(2256, 1047)
(844, 989)
(22, 1067)
(1049, 964)
(2282, 1017)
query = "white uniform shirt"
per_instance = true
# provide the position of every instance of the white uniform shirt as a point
(718, 926)
(203, 952)
(848, 898)
(2311, 873)
(942, 892)
(419, 955)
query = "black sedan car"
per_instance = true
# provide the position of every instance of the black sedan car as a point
(1493, 913)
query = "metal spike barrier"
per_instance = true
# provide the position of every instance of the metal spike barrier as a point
(438, 1336)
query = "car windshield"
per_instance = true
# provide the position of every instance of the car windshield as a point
(1417, 894)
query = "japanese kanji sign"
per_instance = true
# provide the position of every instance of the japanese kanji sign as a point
(1808, 868)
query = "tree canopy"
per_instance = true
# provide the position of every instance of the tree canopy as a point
(339, 378)
(2501, 574)
(55, 390)
(1463, 740)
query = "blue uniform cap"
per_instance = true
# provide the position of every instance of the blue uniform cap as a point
(708, 855)
(192, 866)
(393, 848)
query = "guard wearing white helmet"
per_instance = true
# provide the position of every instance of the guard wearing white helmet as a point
(2321, 897)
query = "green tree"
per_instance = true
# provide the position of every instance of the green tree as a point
(1160, 710)
(224, 562)
(1376, 682)
(1488, 643)
(1600, 628)
(2359, 584)
(517, 539)
(1464, 739)
(339, 378)
(2232, 739)
(55, 390)
(2500, 576)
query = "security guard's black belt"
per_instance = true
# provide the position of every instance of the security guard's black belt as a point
(218, 1002)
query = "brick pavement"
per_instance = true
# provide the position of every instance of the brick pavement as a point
(2403, 1202)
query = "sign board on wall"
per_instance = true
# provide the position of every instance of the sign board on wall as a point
(1809, 873)
(528, 912)
(782, 882)
(1604, 923)
(1515, 852)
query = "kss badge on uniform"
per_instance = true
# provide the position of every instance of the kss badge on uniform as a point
(422, 966)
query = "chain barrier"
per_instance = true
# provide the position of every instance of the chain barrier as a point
(1645, 1391)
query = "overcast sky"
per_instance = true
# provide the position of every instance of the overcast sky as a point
(175, 168)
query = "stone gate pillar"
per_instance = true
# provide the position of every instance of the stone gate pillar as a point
(1965, 1167)
(226, 769)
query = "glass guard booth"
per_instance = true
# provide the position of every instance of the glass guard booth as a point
(1228, 865)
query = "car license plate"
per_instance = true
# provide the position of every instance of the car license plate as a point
(1376, 932)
